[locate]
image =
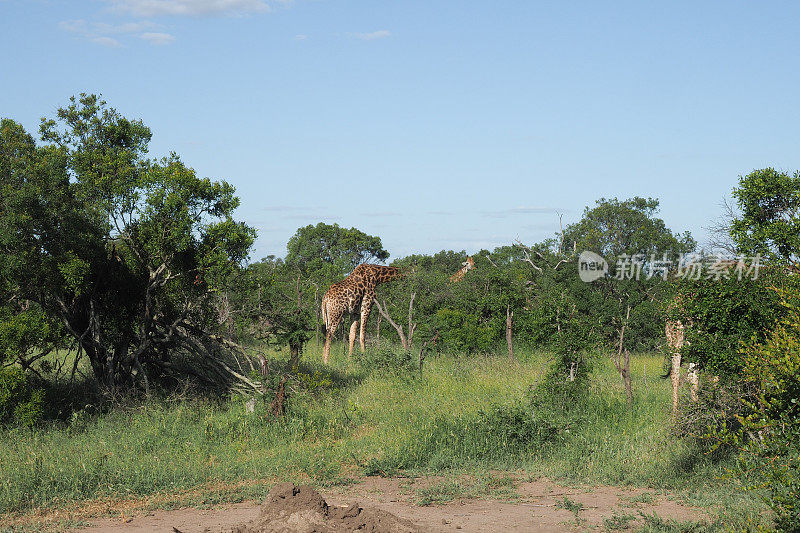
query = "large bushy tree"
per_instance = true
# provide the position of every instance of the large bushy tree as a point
(119, 252)
(769, 224)
(327, 250)
(615, 227)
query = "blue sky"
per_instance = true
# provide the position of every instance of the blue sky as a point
(435, 125)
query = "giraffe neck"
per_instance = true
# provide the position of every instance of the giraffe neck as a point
(383, 274)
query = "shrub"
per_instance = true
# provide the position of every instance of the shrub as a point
(768, 438)
(388, 359)
(725, 314)
(465, 332)
(20, 402)
(719, 407)
(558, 404)
(490, 436)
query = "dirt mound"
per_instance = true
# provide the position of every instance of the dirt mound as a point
(292, 509)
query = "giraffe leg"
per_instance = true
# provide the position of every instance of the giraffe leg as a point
(366, 307)
(353, 328)
(675, 374)
(326, 350)
(694, 381)
(329, 333)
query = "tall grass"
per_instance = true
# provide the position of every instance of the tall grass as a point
(465, 413)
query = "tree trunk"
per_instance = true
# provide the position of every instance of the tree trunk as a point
(694, 381)
(626, 376)
(317, 308)
(509, 316)
(294, 355)
(623, 364)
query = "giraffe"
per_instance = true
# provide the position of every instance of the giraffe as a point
(466, 266)
(675, 332)
(354, 293)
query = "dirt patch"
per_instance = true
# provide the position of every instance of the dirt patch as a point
(526, 505)
(292, 509)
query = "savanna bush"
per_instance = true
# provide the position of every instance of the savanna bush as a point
(20, 402)
(718, 408)
(768, 436)
(726, 314)
(491, 436)
(463, 332)
(388, 358)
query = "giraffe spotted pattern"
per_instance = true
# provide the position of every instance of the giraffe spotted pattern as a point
(355, 293)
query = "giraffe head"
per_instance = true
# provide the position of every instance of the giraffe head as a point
(466, 266)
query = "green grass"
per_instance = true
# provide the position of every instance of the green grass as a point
(465, 415)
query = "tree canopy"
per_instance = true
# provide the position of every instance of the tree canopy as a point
(769, 225)
(120, 252)
(333, 249)
(629, 227)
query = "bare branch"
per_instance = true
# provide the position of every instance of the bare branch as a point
(382, 311)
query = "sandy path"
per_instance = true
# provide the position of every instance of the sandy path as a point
(535, 509)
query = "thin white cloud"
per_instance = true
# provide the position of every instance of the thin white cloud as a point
(381, 214)
(74, 26)
(82, 27)
(522, 211)
(106, 41)
(311, 216)
(380, 34)
(158, 39)
(155, 8)
(101, 32)
(288, 208)
(300, 37)
(128, 27)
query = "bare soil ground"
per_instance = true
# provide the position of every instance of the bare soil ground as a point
(539, 505)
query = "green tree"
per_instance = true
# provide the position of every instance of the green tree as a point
(726, 314)
(122, 252)
(769, 224)
(274, 302)
(329, 251)
(767, 434)
(615, 227)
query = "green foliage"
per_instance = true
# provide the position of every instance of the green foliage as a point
(121, 253)
(618, 521)
(388, 359)
(655, 524)
(497, 433)
(274, 302)
(615, 227)
(570, 505)
(769, 224)
(331, 250)
(726, 313)
(463, 332)
(717, 409)
(769, 436)
(442, 492)
(559, 404)
(20, 403)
